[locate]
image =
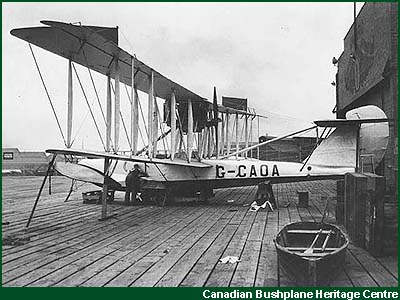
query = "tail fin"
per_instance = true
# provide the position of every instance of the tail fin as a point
(374, 137)
(339, 149)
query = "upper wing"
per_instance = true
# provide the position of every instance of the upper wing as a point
(93, 154)
(234, 111)
(96, 48)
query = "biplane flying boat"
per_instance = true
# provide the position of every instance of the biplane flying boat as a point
(205, 151)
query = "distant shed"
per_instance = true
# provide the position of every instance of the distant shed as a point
(15, 161)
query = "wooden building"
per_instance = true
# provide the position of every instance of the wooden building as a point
(367, 74)
(15, 161)
(294, 149)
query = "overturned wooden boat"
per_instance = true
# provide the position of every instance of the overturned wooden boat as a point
(311, 253)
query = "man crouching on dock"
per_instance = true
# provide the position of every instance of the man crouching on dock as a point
(132, 183)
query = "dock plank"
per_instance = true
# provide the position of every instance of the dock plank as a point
(176, 245)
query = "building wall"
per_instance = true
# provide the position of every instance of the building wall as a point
(365, 53)
(294, 149)
(371, 78)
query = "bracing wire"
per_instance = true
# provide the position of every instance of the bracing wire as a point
(181, 132)
(129, 97)
(94, 87)
(161, 128)
(126, 131)
(123, 122)
(81, 125)
(90, 109)
(48, 96)
(141, 112)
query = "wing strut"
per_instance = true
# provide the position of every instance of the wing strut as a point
(70, 104)
(134, 110)
(173, 124)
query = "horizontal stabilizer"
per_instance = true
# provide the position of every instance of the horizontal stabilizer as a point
(364, 133)
(345, 122)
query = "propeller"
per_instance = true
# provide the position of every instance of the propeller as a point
(215, 119)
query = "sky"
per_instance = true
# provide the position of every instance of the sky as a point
(277, 55)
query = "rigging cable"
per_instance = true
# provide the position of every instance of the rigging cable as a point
(90, 109)
(129, 97)
(48, 96)
(80, 127)
(312, 151)
(141, 112)
(181, 132)
(166, 148)
(123, 122)
(94, 87)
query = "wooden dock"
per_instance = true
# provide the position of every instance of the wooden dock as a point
(66, 244)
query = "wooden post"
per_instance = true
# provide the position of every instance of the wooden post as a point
(150, 114)
(70, 105)
(190, 131)
(116, 105)
(108, 114)
(105, 190)
(173, 125)
(134, 110)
